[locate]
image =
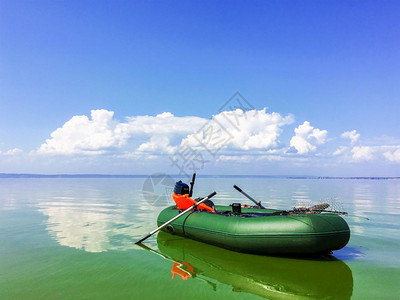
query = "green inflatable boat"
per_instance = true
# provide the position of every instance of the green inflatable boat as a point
(259, 230)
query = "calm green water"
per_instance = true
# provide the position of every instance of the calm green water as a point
(74, 239)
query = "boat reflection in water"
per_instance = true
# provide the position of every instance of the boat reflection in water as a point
(268, 277)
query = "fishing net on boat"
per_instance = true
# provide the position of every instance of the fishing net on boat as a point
(330, 205)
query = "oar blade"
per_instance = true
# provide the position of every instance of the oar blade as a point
(143, 238)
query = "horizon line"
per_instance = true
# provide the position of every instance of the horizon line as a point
(88, 175)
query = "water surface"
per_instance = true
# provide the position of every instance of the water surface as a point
(73, 238)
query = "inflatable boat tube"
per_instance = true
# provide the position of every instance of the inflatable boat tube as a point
(260, 231)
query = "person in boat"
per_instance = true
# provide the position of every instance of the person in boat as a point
(183, 200)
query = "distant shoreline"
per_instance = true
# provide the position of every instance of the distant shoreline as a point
(14, 175)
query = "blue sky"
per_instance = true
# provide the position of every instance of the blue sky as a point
(332, 64)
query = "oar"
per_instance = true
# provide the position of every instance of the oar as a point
(192, 184)
(176, 217)
(240, 191)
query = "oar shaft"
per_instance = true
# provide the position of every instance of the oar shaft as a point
(192, 184)
(248, 196)
(174, 218)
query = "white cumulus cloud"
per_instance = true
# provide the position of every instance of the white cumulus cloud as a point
(352, 135)
(101, 132)
(11, 152)
(307, 138)
(240, 130)
(393, 156)
(157, 143)
(81, 135)
(368, 153)
(340, 150)
(163, 124)
(163, 133)
(361, 153)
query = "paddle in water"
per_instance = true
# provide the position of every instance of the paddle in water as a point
(174, 218)
(241, 191)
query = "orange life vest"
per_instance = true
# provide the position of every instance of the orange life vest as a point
(184, 202)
